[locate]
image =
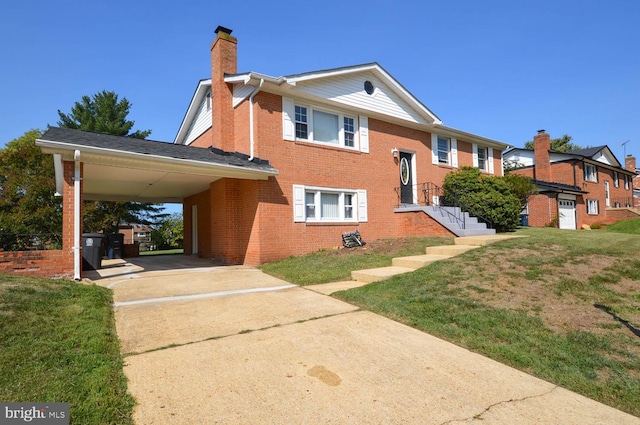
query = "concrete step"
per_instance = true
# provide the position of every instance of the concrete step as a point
(450, 250)
(382, 273)
(482, 240)
(417, 261)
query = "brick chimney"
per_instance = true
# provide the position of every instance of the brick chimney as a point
(224, 60)
(630, 163)
(541, 147)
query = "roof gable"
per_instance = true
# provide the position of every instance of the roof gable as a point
(344, 87)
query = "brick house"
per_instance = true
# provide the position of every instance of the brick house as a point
(576, 188)
(269, 167)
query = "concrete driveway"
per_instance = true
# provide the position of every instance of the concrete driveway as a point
(206, 344)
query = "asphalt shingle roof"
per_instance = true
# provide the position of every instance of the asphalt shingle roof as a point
(155, 148)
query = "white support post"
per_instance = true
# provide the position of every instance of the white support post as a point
(77, 244)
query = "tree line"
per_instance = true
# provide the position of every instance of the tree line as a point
(31, 214)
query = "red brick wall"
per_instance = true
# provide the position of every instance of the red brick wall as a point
(48, 264)
(251, 222)
(54, 263)
(543, 210)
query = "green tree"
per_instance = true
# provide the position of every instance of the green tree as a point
(487, 197)
(30, 213)
(169, 233)
(104, 113)
(561, 144)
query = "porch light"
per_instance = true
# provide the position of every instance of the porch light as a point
(394, 152)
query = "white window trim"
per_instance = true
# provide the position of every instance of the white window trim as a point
(616, 179)
(358, 204)
(361, 126)
(488, 160)
(592, 204)
(595, 173)
(627, 182)
(453, 151)
(607, 194)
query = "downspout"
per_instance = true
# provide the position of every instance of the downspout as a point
(77, 250)
(251, 137)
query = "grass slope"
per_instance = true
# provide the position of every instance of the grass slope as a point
(59, 345)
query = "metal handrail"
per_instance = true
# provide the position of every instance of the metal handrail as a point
(434, 196)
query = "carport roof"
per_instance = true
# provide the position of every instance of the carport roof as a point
(127, 169)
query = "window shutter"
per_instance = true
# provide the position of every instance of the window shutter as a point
(584, 171)
(434, 149)
(288, 119)
(362, 206)
(364, 134)
(454, 153)
(490, 159)
(475, 155)
(298, 203)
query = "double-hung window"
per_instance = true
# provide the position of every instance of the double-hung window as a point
(302, 123)
(627, 182)
(592, 206)
(482, 158)
(329, 205)
(590, 173)
(444, 150)
(616, 182)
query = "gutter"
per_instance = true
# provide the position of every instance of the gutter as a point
(77, 250)
(251, 136)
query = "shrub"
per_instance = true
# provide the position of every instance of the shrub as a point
(490, 197)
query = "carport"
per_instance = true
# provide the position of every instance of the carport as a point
(94, 166)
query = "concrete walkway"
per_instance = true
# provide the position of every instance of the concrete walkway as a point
(230, 345)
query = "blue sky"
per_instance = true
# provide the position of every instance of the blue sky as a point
(502, 69)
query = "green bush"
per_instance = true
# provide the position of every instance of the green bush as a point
(493, 198)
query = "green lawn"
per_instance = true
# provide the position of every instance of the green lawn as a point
(626, 226)
(332, 265)
(59, 345)
(561, 305)
(176, 251)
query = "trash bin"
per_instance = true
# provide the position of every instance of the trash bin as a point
(92, 251)
(115, 245)
(524, 220)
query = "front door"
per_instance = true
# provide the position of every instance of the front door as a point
(567, 214)
(406, 179)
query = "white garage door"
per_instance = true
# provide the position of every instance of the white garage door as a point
(567, 210)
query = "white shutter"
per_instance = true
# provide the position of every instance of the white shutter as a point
(364, 134)
(434, 148)
(490, 159)
(454, 153)
(288, 119)
(475, 155)
(362, 206)
(298, 203)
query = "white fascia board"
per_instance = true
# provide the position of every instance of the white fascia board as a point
(469, 137)
(331, 72)
(192, 110)
(101, 156)
(253, 77)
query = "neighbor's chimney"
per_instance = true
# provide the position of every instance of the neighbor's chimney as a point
(224, 60)
(630, 163)
(541, 147)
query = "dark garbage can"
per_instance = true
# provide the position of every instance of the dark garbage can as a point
(92, 251)
(524, 220)
(115, 245)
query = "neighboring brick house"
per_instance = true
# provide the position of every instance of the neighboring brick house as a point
(136, 233)
(630, 164)
(577, 188)
(269, 167)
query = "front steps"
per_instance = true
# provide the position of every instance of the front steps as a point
(402, 265)
(471, 225)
